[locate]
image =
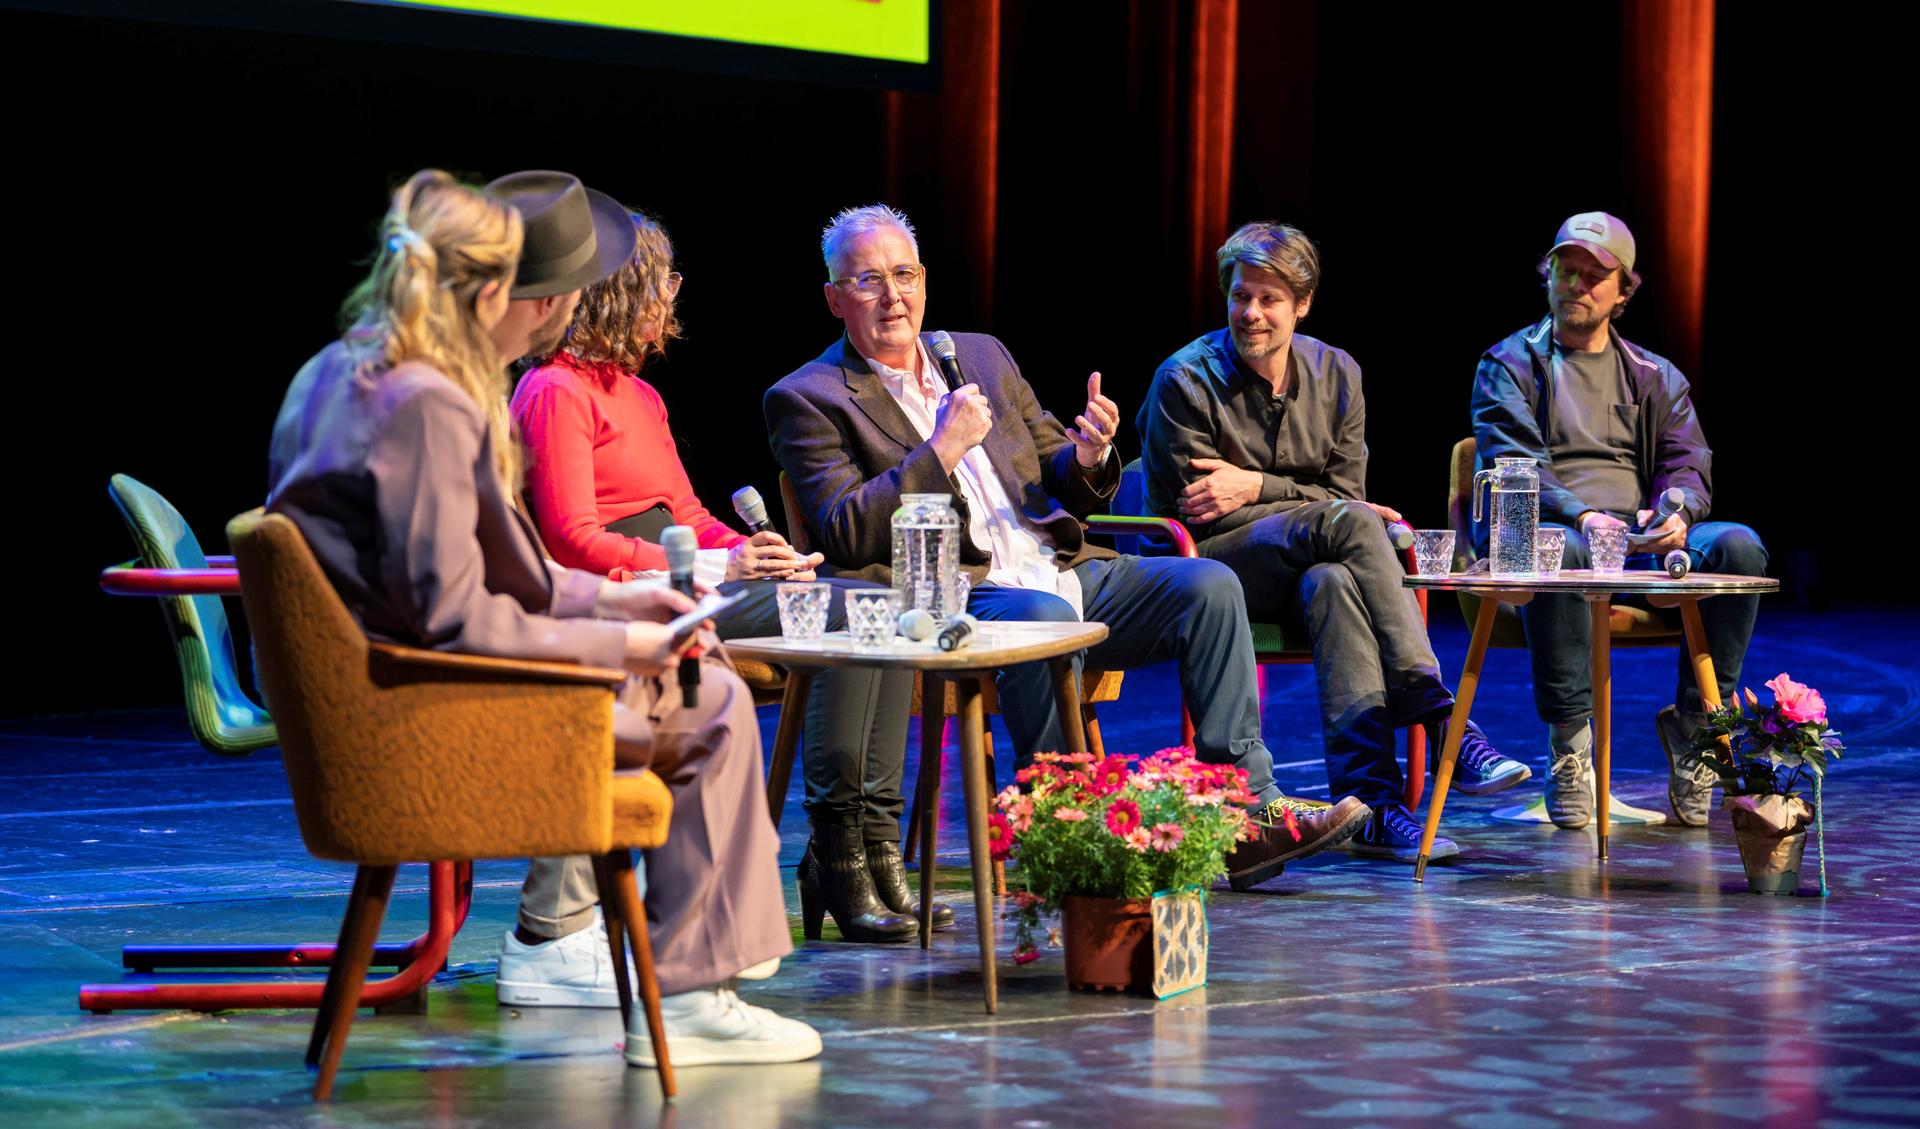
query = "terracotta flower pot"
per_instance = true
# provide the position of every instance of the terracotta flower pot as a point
(1109, 942)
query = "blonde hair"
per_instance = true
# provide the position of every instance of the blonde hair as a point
(441, 243)
(629, 316)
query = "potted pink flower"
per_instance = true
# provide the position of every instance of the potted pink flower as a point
(1123, 849)
(1762, 755)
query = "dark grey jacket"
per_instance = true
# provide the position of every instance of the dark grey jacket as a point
(1513, 411)
(850, 452)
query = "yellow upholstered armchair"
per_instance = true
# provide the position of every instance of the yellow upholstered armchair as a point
(395, 755)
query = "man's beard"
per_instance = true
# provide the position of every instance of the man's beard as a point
(1252, 352)
(547, 338)
(1574, 316)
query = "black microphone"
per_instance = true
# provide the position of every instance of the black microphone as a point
(1677, 563)
(753, 511)
(958, 632)
(941, 345)
(1400, 535)
(680, 545)
(1671, 501)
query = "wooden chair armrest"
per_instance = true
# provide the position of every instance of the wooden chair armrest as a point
(1149, 526)
(418, 663)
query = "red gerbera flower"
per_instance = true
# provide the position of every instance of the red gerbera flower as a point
(999, 836)
(1110, 775)
(1123, 816)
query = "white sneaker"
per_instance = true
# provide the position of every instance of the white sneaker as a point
(762, 971)
(572, 971)
(713, 1026)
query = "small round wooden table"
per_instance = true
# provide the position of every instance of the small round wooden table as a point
(999, 644)
(1598, 589)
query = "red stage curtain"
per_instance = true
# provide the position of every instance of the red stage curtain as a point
(1667, 48)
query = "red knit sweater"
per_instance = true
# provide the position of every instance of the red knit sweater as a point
(598, 450)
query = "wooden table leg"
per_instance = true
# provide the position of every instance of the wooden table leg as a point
(1602, 712)
(786, 739)
(1456, 729)
(933, 724)
(973, 770)
(1066, 698)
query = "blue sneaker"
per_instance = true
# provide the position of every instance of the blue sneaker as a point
(1481, 769)
(1393, 833)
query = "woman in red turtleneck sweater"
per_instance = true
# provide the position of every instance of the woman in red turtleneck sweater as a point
(604, 479)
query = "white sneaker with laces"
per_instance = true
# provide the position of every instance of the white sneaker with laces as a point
(571, 971)
(713, 1026)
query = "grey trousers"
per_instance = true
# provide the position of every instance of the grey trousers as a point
(853, 750)
(714, 902)
(1330, 566)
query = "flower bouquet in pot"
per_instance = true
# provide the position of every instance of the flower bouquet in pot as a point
(1124, 849)
(1763, 754)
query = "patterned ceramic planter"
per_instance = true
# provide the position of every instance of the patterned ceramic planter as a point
(1156, 945)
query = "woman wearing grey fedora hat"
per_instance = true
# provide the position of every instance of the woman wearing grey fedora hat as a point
(393, 454)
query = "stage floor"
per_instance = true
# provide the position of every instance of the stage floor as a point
(1524, 985)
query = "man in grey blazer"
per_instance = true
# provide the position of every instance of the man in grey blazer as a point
(870, 420)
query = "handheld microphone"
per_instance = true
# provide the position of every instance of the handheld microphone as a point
(958, 632)
(941, 346)
(917, 624)
(1677, 563)
(1400, 535)
(680, 545)
(1670, 502)
(751, 510)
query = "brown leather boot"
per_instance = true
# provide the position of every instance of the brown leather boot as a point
(1275, 844)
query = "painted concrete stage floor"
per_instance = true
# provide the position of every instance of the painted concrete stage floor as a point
(1524, 985)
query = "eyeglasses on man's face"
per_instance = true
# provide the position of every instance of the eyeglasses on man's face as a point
(872, 283)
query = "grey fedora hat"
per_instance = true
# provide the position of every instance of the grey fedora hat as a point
(575, 235)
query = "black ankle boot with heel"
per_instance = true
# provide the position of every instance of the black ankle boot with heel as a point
(835, 878)
(895, 890)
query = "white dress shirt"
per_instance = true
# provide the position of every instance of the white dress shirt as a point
(1021, 554)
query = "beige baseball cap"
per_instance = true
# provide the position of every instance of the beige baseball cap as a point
(1604, 235)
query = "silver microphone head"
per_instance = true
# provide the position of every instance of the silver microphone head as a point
(747, 504)
(940, 344)
(1672, 501)
(680, 545)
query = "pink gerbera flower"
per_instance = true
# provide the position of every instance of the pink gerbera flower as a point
(1020, 814)
(1069, 815)
(1109, 776)
(1138, 839)
(1167, 836)
(1123, 816)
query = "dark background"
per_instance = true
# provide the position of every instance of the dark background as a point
(189, 204)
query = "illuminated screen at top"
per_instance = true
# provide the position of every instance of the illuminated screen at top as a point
(872, 29)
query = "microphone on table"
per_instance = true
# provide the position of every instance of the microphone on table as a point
(1677, 563)
(1400, 535)
(751, 510)
(680, 545)
(916, 624)
(941, 346)
(958, 632)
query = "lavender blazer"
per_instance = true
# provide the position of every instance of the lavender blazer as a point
(389, 476)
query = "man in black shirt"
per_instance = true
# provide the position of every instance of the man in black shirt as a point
(1255, 436)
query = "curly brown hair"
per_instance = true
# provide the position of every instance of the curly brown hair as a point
(629, 316)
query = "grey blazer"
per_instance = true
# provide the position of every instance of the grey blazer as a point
(850, 452)
(389, 477)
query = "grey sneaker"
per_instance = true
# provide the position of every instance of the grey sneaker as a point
(1481, 770)
(1689, 780)
(1570, 780)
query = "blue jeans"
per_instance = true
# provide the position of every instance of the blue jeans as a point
(1560, 629)
(1155, 608)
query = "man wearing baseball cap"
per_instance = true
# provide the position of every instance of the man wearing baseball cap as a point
(1612, 428)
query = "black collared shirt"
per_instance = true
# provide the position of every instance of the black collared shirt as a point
(1309, 444)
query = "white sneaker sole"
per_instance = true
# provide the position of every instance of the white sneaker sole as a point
(692, 1051)
(548, 995)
